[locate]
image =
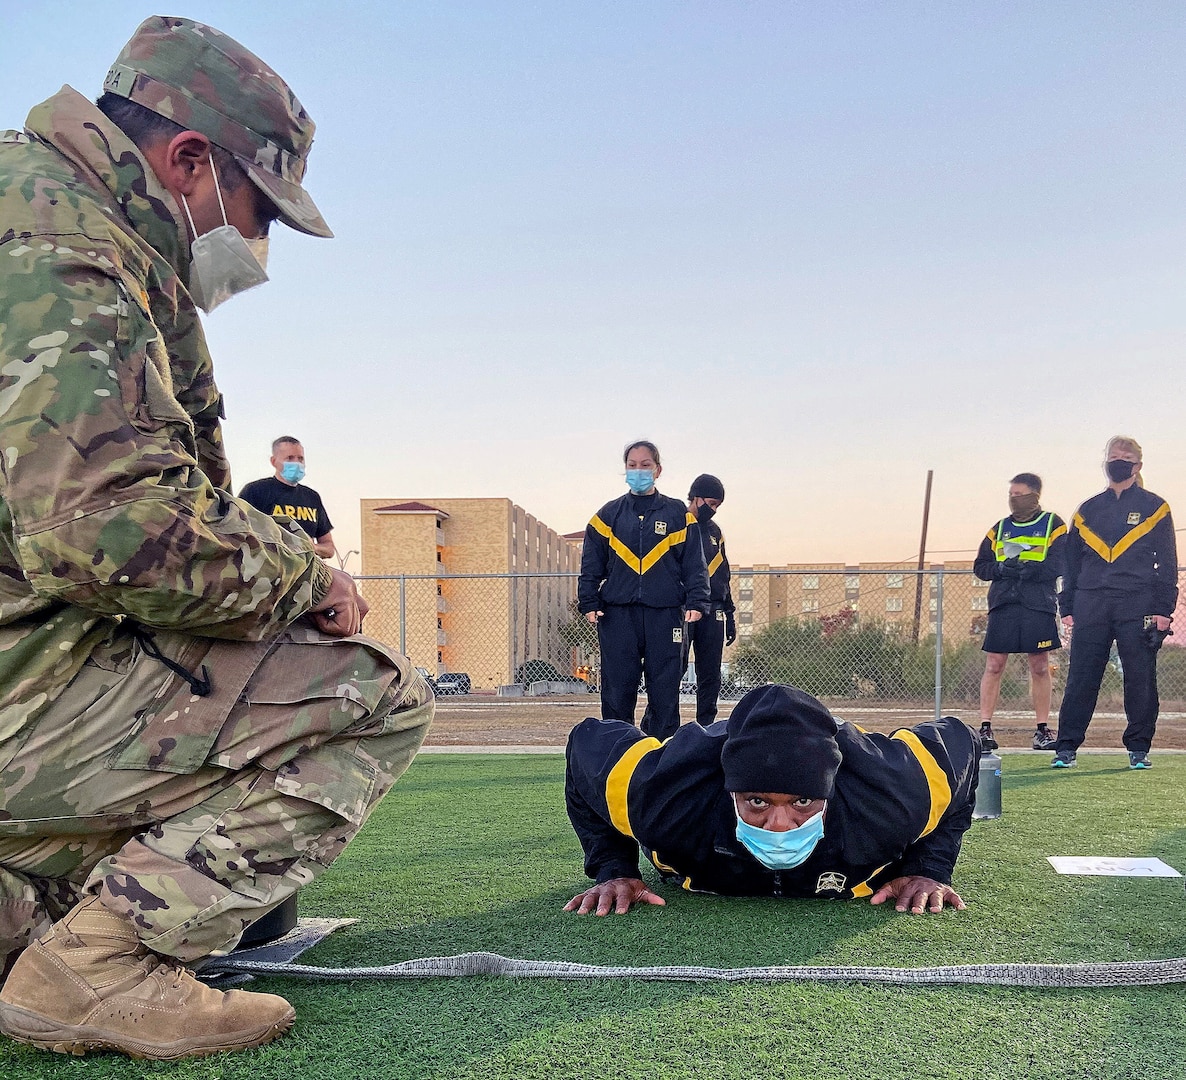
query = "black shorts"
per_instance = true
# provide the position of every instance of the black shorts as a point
(1016, 629)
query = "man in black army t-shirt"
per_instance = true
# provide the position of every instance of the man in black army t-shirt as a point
(283, 495)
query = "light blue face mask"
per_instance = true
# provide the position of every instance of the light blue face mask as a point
(781, 850)
(293, 471)
(640, 481)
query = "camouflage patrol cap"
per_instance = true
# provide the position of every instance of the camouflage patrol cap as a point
(205, 81)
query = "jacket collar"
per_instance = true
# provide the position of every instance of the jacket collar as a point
(111, 163)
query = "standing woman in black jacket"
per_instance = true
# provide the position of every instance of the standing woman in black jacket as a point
(1120, 585)
(641, 581)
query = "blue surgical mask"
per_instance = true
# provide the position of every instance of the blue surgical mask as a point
(640, 481)
(781, 850)
(293, 471)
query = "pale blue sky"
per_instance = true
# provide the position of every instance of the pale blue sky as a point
(815, 248)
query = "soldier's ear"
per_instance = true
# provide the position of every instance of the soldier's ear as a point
(184, 163)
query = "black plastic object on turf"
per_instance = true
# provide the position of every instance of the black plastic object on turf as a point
(275, 924)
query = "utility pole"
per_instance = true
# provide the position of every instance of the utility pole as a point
(922, 552)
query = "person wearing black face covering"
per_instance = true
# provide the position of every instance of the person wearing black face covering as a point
(781, 799)
(711, 634)
(1022, 555)
(1120, 584)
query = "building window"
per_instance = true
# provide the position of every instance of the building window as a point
(978, 584)
(893, 603)
(934, 605)
(745, 616)
(979, 603)
(893, 581)
(852, 582)
(810, 582)
(810, 604)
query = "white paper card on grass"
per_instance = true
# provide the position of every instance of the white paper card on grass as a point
(1101, 866)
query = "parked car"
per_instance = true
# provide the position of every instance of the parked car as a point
(430, 679)
(453, 682)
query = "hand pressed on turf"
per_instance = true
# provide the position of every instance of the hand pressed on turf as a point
(617, 895)
(917, 894)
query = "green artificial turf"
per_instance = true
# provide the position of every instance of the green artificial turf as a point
(475, 853)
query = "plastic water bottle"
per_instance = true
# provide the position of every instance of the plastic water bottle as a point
(988, 788)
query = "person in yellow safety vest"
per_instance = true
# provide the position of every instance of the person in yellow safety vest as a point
(1022, 555)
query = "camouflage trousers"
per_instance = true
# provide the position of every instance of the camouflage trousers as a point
(195, 816)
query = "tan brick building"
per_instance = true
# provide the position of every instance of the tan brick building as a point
(870, 591)
(486, 626)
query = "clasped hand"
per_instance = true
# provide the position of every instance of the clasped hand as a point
(340, 611)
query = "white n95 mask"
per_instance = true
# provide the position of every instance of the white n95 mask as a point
(224, 262)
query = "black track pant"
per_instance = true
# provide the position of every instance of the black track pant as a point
(708, 642)
(636, 639)
(1100, 619)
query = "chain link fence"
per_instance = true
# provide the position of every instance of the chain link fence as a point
(881, 634)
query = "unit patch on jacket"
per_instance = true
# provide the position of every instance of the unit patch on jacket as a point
(661, 528)
(1134, 518)
(831, 883)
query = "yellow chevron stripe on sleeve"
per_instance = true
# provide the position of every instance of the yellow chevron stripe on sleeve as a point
(617, 784)
(660, 864)
(936, 778)
(1060, 531)
(864, 888)
(715, 565)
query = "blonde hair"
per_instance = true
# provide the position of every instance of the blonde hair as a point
(1129, 444)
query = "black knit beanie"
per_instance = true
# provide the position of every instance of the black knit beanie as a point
(781, 740)
(707, 487)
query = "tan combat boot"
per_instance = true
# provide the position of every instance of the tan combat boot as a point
(90, 984)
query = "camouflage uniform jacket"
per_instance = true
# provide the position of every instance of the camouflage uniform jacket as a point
(114, 487)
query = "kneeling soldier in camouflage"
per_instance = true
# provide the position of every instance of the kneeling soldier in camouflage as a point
(189, 728)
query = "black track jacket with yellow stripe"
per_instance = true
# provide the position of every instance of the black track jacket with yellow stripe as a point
(637, 551)
(901, 805)
(719, 572)
(1123, 544)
